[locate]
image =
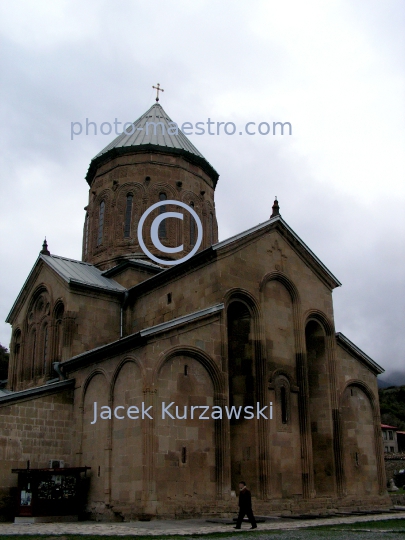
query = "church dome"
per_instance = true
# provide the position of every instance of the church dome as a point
(153, 130)
(149, 162)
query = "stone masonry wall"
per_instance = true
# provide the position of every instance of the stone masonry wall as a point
(36, 429)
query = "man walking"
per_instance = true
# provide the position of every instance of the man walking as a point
(245, 506)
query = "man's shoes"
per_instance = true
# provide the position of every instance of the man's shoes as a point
(255, 527)
(236, 527)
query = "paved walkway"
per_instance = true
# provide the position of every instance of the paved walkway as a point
(179, 527)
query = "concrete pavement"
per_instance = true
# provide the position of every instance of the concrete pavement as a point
(180, 527)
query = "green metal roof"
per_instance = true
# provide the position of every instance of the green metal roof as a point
(153, 131)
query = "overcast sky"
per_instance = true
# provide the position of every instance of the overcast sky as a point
(334, 69)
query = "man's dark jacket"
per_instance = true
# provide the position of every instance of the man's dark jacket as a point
(245, 499)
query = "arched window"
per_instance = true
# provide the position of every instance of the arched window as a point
(284, 409)
(283, 403)
(17, 345)
(58, 332)
(192, 227)
(36, 320)
(162, 210)
(45, 347)
(100, 223)
(86, 234)
(33, 352)
(211, 229)
(128, 214)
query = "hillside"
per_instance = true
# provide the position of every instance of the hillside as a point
(393, 378)
(392, 406)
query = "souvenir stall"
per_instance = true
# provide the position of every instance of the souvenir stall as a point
(51, 492)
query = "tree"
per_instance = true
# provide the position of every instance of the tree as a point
(4, 357)
(392, 406)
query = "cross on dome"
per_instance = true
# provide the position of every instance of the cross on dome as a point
(158, 89)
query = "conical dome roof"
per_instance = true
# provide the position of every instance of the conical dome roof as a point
(153, 131)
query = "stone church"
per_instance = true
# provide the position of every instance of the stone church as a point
(174, 380)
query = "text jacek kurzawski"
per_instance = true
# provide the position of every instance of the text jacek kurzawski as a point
(193, 412)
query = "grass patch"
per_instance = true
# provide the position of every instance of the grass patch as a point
(391, 524)
(247, 532)
(129, 537)
(308, 533)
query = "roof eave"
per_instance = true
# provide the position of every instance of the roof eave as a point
(31, 393)
(211, 253)
(99, 288)
(71, 282)
(130, 263)
(200, 258)
(102, 353)
(137, 339)
(350, 347)
(146, 149)
(23, 292)
(296, 243)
